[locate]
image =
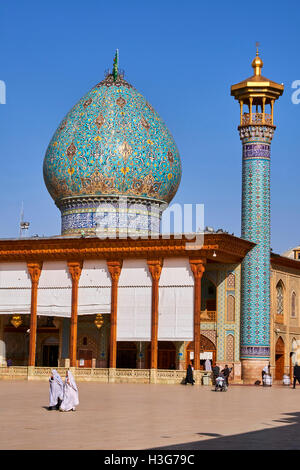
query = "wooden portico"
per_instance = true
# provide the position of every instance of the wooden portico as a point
(214, 248)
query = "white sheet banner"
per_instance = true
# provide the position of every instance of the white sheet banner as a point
(93, 300)
(134, 302)
(55, 290)
(15, 300)
(135, 273)
(176, 272)
(54, 302)
(94, 293)
(176, 301)
(15, 288)
(176, 313)
(134, 314)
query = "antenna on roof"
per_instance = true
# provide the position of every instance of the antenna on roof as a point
(23, 225)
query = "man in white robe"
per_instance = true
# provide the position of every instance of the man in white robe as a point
(56, 390)
(70, 400)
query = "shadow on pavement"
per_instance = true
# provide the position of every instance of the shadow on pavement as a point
(279, 438)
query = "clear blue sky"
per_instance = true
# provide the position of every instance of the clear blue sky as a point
(183, 56)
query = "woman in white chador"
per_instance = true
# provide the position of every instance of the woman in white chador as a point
(70, 399)
(56, 390)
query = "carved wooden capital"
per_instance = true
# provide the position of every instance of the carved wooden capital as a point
(34, 270)
(198, 267)
(155, 267)
(114, 268)
(75, 268)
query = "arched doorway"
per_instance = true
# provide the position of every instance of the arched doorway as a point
(207, 350)
(126, 355)
(208, 295)
(166, 355)
(279, 359)
(50, 349)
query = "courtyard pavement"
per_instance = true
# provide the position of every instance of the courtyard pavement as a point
(138, 416)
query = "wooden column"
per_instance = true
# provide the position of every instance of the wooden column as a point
(114, 268)
(272, 111)
(155, 266)
(198, 268)
(241, 112)
(264, 110)
(250, 110)
(75, 268)
(34, 270)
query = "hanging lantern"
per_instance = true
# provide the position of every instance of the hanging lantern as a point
(16, 320)
(99, 320)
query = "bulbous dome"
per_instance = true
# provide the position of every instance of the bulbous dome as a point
(112, 143)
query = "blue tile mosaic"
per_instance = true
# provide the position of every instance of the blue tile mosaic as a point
(255, 318)
(111, 143)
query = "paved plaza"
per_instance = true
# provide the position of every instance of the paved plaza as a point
(137, 416)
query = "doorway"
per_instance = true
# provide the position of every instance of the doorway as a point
(279, 359)
(166, 355)
(207, 350)
(85, 358)
(50, 355)
(126, 355)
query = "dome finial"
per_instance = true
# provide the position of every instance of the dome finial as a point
(257, 63)
(116, 65)
(257, 46)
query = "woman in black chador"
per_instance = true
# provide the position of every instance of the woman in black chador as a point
(189, 375)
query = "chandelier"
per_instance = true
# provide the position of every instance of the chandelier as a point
(99, 320)
(16, 321)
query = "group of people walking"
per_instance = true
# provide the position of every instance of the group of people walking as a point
(225, 373)
(63, 396)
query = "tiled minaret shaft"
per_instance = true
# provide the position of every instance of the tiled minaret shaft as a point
(256, 129)
(255, 318)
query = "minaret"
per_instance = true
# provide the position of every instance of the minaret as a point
(258, 94)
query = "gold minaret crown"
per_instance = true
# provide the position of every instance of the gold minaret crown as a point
(257, 92)
(257, 63)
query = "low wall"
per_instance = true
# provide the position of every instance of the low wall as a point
(157, 376)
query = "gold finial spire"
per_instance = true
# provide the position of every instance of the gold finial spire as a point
(257, 92)
(257, 63)
(257, 46)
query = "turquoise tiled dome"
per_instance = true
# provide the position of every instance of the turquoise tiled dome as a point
(112, 143)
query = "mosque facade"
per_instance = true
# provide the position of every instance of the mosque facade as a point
(112, 297)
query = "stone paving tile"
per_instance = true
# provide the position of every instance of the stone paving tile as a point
(138, 416)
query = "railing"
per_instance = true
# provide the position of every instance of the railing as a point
(89, 372)
(257, 118)
(208, 316)
(132, 373)
(46, 371)
(163, 376)
(14, 371)
(170, 374)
